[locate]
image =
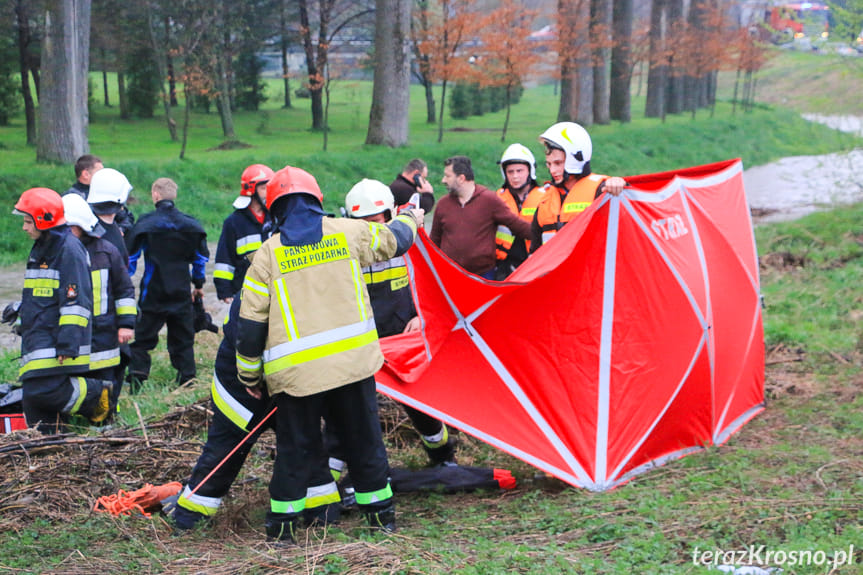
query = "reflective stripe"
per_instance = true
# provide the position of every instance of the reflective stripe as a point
(374, 496)
(287, 312)
(321, 495)
(528, 211)
(229, 406)
(42, 273)
(100, 291)
(287, 506)
(256, 287)
(504, 234)
(41, 283)
(248, 365)
(438, 439)
(319, 345)
(106, 358)
(73, 320)
(198, 503)
(79, 392)
(359, 286)
(385, 275)
(224, 271)
(75, 310)
(48, 363)
(126, 306)
(248, 244)
(376, 240)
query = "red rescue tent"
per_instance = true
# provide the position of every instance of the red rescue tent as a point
(632, 338)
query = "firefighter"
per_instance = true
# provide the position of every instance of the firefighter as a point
(235, 414)
(113, 294)
(306, 321)
(393, 306)
(241, 232)
(172, 243)
(521, 195)
(55, 317)
(109, 191)
(573, 187)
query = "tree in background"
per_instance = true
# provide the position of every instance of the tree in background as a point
(451, 24)
(507, 56)
(142, 91)
(600, 44)
(28, 59)
(574, 57)
(63, 119)
(621, 61)
(420, 30)
(751, 56)
(847, 19)
(10, 101)
(331, 17)
(388, 118)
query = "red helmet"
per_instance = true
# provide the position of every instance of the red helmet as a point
(44, 206)
(252, 176)
(291, 180)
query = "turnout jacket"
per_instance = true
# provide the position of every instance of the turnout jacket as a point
(113, 299)
(241, 237)
(305, 319)
(56, 306)
(390, 294)
(171, 242)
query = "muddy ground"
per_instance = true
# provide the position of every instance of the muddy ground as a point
(783, 190)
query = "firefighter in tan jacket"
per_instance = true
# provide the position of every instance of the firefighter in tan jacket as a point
(306, 326)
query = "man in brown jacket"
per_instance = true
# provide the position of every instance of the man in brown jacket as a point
(466, 220)
(307, 324)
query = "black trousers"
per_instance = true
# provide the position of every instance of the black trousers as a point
(352, 411)
(47, 401)
(180, 319)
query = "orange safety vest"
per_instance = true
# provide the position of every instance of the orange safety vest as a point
(551, 214)
(504, 237)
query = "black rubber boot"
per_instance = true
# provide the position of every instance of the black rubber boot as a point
(383, 518)
(185, 519)
(282, 526)
(443, 455)
(323, 515)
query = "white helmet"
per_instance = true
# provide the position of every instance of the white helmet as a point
(369, 197)
(109, 185)
(516, 153)
(78, 212)
(573, 140)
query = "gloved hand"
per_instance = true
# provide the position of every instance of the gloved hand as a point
(10, 312)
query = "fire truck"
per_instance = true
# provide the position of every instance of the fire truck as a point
(785, 22)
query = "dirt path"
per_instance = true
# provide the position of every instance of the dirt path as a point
(783, 190)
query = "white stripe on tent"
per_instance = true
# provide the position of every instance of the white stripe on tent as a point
(409, 264)
(604, 391)
(677, 182)
(702, 262)
(491, 440)
(658, 462)
(506, 377)
(738, 423)
(749, 341)
(659, 417)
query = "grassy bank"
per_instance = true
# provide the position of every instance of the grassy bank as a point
(208, 178)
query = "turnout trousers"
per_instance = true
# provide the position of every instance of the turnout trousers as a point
(180, 320)
(49, 401)
(353, 410)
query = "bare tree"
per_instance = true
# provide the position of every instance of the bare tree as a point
(655, 104)
(420, 25)
(26, 64)
(574, 52)
(388, 119)
(600, 41)
(63, 115)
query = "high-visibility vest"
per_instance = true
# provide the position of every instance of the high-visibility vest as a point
(551, 214)
(504, 237)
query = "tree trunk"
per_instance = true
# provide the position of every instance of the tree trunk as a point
(675, 84)
(62, 134)
(186, 115)
(430, 108)
(440, 117)
(566, 111)
(159, 54)
(388, 118)
(314, 64)
(121, 95)
(621, 61)
(734, 98)
(105, 79)
(224, 100)
(654, 106)
(283, 19)
(23, 42)
(506, 121)
(600, 18)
